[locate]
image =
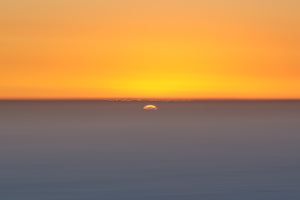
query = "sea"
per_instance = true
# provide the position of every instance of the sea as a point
(116, 150)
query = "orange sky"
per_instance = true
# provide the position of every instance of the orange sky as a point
(149, 49)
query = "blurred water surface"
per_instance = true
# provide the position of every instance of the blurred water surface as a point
(91, 150)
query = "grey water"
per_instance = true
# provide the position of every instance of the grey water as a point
(97, 150)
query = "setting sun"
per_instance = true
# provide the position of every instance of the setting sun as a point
(150, 107)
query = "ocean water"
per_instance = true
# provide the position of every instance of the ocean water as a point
(95, 150)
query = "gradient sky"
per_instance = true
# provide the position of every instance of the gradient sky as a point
(149, 49)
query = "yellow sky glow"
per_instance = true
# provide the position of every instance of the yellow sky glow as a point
(178, 49)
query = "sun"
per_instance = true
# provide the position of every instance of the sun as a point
(150, 107)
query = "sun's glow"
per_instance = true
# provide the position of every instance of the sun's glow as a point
(139, 49)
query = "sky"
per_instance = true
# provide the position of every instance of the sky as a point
(162, 49)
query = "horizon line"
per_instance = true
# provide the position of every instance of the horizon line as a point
(149, 99)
